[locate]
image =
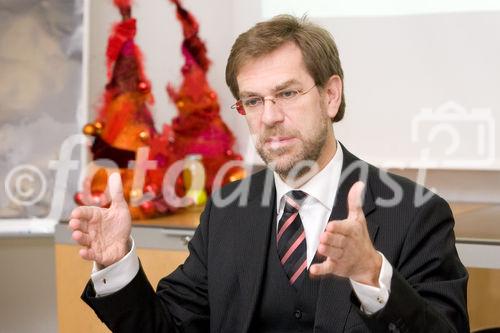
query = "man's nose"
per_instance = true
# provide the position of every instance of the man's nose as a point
(272, 112)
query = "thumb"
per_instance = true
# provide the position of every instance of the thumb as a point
(325, 268)
(115, 188)
(355, 199)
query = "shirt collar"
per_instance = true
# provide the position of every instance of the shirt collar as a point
(320, 187)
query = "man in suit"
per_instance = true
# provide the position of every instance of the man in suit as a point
(324, 242)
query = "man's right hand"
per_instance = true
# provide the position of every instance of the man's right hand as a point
(103, 232)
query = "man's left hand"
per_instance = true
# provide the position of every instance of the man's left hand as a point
(347, 246)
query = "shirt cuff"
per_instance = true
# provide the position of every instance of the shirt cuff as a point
(373, 299)
(114, 277)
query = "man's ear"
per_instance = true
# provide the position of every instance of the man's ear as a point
(333, 95)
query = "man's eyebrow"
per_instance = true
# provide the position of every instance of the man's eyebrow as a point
(247, 93)
(285, 84)
(279, 87)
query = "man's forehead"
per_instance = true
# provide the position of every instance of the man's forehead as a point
(279, 69)
(287, 53)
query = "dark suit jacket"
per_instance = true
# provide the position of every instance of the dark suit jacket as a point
(217, 288)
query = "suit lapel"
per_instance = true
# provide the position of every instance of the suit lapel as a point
(254, 224)
(334, 295)
(351, 173)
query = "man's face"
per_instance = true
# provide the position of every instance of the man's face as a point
(301, 131)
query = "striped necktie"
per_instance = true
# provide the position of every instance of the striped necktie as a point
(291, 239)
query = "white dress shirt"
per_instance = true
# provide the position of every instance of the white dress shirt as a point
(314, 213)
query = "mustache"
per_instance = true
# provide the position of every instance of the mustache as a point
(276, 132)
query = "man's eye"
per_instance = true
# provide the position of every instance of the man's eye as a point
(251, 102)
(287, 94)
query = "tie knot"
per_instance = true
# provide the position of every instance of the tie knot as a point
(294, 200)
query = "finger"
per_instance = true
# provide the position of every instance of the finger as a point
(84, 213)
(77, 224)
(87, 254)
(339, 227)
(330, 252)
(327, 267)
(355, 199)
(333, 239)
(116, 188)
(332, 222)
(75, 214)
(81, 238)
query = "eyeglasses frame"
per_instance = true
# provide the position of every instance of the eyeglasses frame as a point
(241, 109)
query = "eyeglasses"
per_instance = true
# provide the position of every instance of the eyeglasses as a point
(255, 104)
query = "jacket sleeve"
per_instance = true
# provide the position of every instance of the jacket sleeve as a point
(180, 303)
(429, 283)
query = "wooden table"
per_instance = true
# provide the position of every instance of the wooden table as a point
(477, 229)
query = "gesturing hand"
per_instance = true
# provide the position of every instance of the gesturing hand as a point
(347, 246)
(103, 232)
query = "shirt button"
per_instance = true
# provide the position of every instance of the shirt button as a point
(380, 300)
(104, 281)
(297, 314)
(392, 328)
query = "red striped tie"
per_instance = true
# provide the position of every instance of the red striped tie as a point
(291, 239)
